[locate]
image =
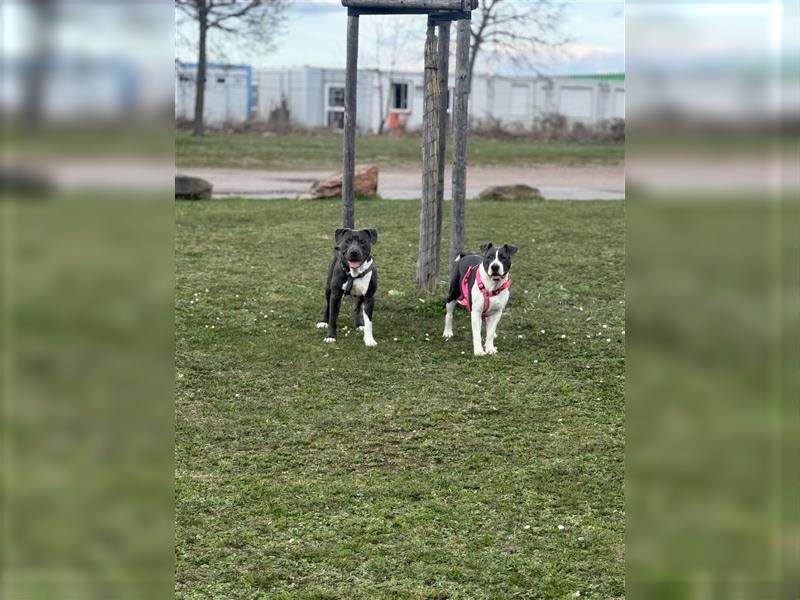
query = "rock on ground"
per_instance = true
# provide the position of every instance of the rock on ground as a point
(192, 188)
(366, 184)
(517, 191)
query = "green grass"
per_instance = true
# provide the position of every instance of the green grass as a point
(324, 150)
(413, 469)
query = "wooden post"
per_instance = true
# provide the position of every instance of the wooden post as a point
(443, 60)
(427, 267)
(460, 127)
(349, 162)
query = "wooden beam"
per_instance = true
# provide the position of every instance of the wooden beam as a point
(349, 161)
(394, 4)
(443, 60)
(427, 267)
(438, 15)
(460, 128)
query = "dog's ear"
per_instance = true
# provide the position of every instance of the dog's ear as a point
(511, 249)
(485, 247)
(373, 235)
(339, 233)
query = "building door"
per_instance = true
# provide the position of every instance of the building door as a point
(334, 107)
(520, 103)
(576, 103)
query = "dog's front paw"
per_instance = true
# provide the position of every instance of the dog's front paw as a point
(329, 340)
(479, 352)
(491, 350)
(360, 328)
(322, 325)
(447, 335)
(370, 342)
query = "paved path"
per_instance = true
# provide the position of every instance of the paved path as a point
(597, 182)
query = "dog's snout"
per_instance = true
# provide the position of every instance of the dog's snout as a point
(495, 268)
(353, 254)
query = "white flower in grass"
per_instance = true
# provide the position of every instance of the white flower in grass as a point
(561, 528)
(395, 339)
(608, 339)
(563, 336)
(527, 527)
(520, 336)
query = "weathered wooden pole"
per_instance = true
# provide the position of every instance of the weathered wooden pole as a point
(460, 127)
(427, 266)
(349, 162)
(443, 60)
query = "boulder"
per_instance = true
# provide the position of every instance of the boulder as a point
(518, 191)
(192, 188)
(366, 184)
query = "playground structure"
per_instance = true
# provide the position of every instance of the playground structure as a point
(434, 122)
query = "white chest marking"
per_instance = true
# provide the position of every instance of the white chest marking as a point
(361, 285)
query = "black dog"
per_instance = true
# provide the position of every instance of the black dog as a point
(480, 283)
(353, 273)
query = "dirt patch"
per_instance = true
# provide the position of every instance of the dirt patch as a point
(555, 182)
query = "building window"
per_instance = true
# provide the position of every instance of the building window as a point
(399, 95)
(220, 80)
(335, 97)
(335, 107)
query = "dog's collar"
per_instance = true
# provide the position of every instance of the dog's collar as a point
(350, 277)
(487, 294)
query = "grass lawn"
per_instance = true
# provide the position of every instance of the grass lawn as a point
(413, 469)
(324, 150)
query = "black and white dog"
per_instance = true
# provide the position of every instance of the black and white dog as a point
(480, 283)
(352, 272)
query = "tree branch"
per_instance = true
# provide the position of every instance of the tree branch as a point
(236, 14)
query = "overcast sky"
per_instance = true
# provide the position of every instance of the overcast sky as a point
(314, 34)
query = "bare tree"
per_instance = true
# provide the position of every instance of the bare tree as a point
(430, 238)
(390, 38)
(44, 16)
(515, 31)
(255, 21)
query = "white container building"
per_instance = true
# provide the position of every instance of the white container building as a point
(315, 97)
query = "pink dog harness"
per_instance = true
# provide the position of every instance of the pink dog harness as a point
(466, 296)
